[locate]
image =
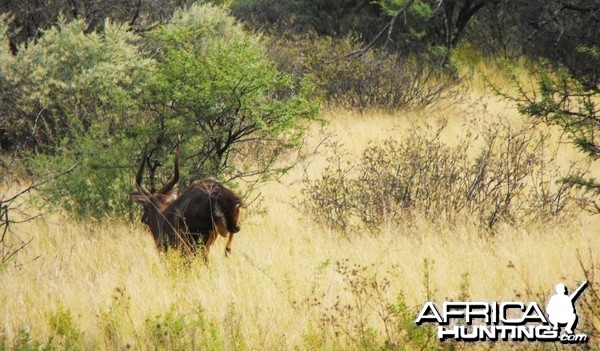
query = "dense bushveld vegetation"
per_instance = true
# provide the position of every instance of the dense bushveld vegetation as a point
(95, 99)
(84, 86)
(89, 84)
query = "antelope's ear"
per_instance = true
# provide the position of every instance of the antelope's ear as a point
(174, 194)
(138, 198)
(239, 210)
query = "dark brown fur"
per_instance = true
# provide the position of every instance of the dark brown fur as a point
(181, 219)
(204, 210)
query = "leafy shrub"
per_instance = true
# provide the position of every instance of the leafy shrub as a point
(510, 179)
(99, 177)
(93, 100)
(75, 101)
(68, 82)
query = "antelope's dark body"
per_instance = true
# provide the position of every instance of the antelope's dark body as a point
(191, 218)
(203, 208)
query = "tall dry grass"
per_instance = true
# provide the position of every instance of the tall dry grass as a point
(102, 285)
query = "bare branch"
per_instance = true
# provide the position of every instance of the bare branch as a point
(10, 250)
(37, 184)
(389, 27)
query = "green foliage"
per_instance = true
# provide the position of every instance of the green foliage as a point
(418, 7)
(4, 45)
(98, 184)
(93, 99)
(65, 335)
(68, 335)
(23, 341)
(564, 102)
(563, 99)
(75, 97)
(69, 81)
(172, 330)
(31, 18)
(175, 331)
(215, 87)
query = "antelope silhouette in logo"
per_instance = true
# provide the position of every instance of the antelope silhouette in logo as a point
(179, 219)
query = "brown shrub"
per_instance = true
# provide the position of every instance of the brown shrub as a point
(376, 80)
(512, 178)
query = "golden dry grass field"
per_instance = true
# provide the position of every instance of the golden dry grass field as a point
(291, 283)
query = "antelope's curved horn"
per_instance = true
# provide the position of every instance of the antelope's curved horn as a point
(140, 173)
(171, 183)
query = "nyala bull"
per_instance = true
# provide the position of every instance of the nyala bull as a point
(180, 219)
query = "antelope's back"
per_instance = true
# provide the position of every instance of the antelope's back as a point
(202, 205)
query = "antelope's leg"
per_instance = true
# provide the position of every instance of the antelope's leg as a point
(212, 236)
(228, 246)
(204, 248)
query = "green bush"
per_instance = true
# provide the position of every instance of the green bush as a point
(93, 100)
(216, 88)
(76, 101)
(68, 82)
(99, 183)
